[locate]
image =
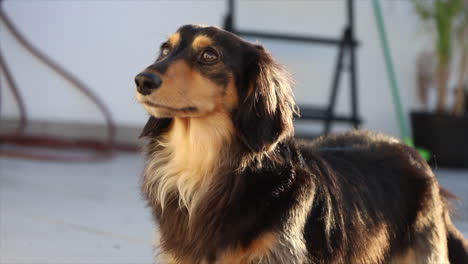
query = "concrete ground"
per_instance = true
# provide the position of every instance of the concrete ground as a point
(93, 213)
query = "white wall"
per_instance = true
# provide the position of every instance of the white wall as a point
(105, 43)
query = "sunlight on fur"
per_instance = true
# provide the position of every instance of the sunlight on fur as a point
(191, 152)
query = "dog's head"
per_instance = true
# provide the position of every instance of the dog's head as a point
(205, 70)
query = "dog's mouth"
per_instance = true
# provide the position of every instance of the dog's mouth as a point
(187, 109)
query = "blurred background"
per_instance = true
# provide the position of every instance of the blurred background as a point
(69, 169)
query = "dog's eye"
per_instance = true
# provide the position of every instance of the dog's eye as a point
(165, 50)
(209, 56)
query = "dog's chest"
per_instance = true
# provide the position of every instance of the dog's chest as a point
(186, 173)
(217, 240)
(185, 160)
(203, 244)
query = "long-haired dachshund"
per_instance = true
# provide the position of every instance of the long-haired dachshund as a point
(228, 183)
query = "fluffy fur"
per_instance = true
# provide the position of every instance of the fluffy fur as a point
(228, 183)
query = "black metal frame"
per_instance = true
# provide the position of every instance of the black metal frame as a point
(346, 46)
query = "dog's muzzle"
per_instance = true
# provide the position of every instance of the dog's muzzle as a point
(147, 82)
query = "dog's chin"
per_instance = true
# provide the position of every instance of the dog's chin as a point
(161, 113)
(169, 112)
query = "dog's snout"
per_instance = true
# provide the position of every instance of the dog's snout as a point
(147, 82)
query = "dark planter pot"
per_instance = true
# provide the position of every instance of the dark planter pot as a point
(445, 136)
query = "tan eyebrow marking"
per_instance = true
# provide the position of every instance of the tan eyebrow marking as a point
(174, 39)
(201, 42)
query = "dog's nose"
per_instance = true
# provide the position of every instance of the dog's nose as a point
(147, 82)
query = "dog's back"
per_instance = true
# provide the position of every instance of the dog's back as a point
(377, 197)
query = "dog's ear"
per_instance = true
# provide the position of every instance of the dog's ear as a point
(155, 126)
(266, 105)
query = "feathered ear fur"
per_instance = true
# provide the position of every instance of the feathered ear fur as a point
(267, 106)
(155, 126)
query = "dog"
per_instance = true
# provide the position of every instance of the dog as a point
(227, 181)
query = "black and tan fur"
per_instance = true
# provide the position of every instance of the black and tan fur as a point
(228, 183)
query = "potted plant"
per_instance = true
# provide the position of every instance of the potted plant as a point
(444, 131)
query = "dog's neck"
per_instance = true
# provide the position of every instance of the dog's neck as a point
(187, 158)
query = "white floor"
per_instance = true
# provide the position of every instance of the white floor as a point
(93, 213)
(73, 213)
